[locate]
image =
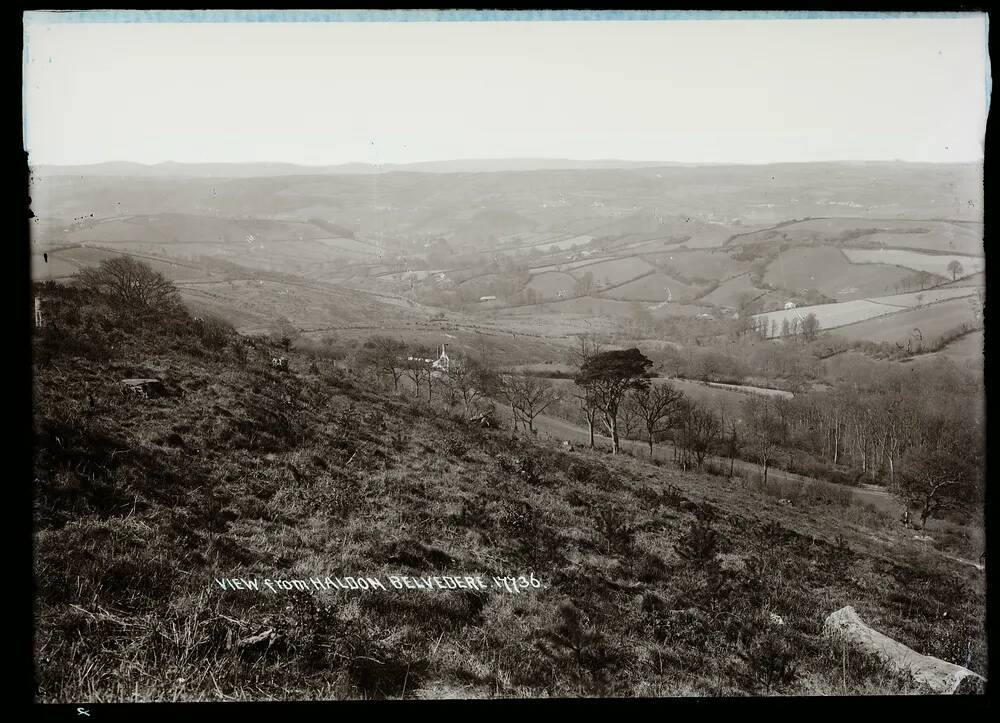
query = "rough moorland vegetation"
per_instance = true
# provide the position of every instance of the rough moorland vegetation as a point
(654, 581)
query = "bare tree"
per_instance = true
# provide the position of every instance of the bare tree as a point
(418, 369)
(508, 385)
(943, 476)
(130, 284)
(809, 327)
(656, 405)
(534, 396)
(955, 267)
(387, 356)
(733, 442)
(588, 405)
(471, 380)
(699, 432)
(761, 431)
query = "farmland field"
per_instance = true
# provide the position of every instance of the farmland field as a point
(699, 264)
(710, 238)
(56, 267)
(563, 243)
(944, 237)
(729, 293)
(568, 265)
(616, 271)
(926, 324)
(929, 296)
(717, 395)
(549, 284)
(653, 287)
(975, 280)
(932, 263)
(967, 350)
(829, 271)
(592, 306)
(964, 239)
(829, 316)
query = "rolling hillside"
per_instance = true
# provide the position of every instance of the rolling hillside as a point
(651, 581)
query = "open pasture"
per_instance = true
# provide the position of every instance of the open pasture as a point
(931, 263)
(57, 267)
(713, 264)
(966, 350)
(830, 316)
(939, 237)
(827, 270)
(919, 326)
(593, 307)
(654, 287)
(551, 283)
(929, 296)
(615, 271)
(732, 292)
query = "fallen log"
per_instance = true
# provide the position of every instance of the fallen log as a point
(939, 675)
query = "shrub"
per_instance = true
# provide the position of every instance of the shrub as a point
(700, 544)
(617, 526)
(768, 657)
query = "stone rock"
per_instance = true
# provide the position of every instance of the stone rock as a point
(940, 676)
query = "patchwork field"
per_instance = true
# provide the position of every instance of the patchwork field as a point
(930, 296)
(830, 316)
(549, 284)
(615, 309)
(937, 236)
(920, 326)
(654, 287)
(616, 271)
(975, 280)
(710, 238)
(63, 263)
(563, 243)
(949, 238)
(966, 350)
(731, 292)
(932, 263)
(698, 264)
(830, 272)
(55, 268)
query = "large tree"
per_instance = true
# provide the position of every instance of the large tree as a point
(700, 430)
(809, 327)
(387, 356)
(945, 474)
(955, 267)
(130, 284)
(418, 369)
(610, 375)
(656, 406)
(762, 430)
(471, 380)
(533, 396)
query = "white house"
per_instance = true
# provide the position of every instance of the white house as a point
(789, 305)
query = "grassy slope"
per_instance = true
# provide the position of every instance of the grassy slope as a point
(245, 471)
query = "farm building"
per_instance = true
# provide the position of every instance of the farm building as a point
(487, 298)
(789, 305)
(439, 366)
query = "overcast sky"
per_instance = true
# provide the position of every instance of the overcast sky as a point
(747, 91)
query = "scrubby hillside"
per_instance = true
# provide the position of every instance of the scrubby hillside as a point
(653, 581)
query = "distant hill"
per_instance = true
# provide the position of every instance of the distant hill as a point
(171, 169)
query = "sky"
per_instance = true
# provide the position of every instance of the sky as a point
(690, 91)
